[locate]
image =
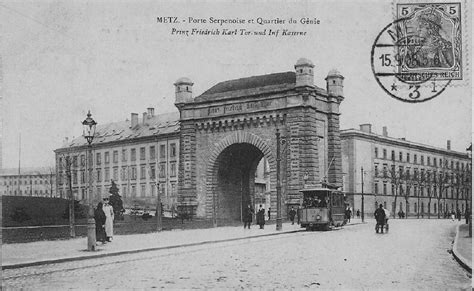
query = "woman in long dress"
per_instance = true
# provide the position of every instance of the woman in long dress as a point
(109, 219)
(99, 217)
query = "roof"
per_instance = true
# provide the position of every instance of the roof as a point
(167, 123)
(285, 80)
(27, 171)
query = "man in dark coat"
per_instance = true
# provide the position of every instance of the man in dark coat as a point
(261, 217)
(99, 217)
(248, 213)
(292, 215)
(380, 217)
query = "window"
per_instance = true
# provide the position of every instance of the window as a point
(98, 158)
(416, 209)
(124, 174)
(83, 160)
(393, 155)
(83, 177)
(422, 160)
(400, 171)
(74, 177)
(134, 173)
(457, 166)
(452, 165)
(99, 191)
(142, 153)
(142, 172)
(385, 204)
(99, 175)
(107, 174)
(384, 188)
(407, 174)
(376, 152)
(133, 155)
(415, 159)
(393, 189)
(134, 191)
(142, 191)
(124, 191)
(408, 157)
(115, 157)
(384, 153)
(434, 162)
(428, 161)
(400, 156)
(408, 190)
(74, 161)
(152, 152)
(124, 155)
(162, 151)
(376, 170)
(162, 172)
(115, 177)
(107, 157)
(376, 188)
(385, 173)
(152, 172)
(173, 169)
(173, 150)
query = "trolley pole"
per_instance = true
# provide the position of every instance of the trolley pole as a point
(278, 187)
(362, 178)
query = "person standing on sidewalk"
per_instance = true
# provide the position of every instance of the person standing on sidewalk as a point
(248, 213)
(99, 217)
(292, 215)
(261, 217)
(269, 208)
(109, 219)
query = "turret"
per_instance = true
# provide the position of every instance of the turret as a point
(183, 90)
(335, 83)
(304, 73)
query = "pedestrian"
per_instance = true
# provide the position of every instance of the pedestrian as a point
(348, 214)
(248, 213)
(109, 219)
(292, 215)
(458, 214)
(269, 208)
(380, 217)
(261, 217)
(99, 217)
(452, 215)
(298, 214)
(358, 213)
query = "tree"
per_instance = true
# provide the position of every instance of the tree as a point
(116, 200)
(396, 178)
(429, 191)
(420, 180)
(441, 183)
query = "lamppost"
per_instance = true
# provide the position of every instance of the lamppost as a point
(278, 186)
(362, 188)
(159, 225)
(89, 125)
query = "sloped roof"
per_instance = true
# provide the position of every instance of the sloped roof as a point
(27, 171)
(166, 123)
(262, 83)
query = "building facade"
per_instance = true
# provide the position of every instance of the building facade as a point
(141, 156)
(220, 152)
(38, 182)
(418, 179)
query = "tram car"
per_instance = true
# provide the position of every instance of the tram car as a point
(322, 209)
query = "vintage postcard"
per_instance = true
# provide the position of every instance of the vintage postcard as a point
(236, 144)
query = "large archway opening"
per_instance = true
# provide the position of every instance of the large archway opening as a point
(235, 172)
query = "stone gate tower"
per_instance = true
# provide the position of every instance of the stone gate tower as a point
(229, 128)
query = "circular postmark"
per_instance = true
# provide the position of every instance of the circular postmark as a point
(392, 65)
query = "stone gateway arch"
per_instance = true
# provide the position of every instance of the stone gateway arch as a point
(227, 130)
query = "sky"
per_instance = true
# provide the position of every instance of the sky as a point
(63, 58)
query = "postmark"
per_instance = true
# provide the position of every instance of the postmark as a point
(409, 86)
(417, 56)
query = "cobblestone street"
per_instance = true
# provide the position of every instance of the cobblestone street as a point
(413, 255)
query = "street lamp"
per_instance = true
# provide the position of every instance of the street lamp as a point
(89, 125)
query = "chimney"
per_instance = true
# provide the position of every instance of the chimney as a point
(134, 120)
(151, 112)
(384, 131)
(144, 117)
(367, 127)
(448, 145)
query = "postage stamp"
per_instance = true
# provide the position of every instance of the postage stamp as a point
(418, 55)
(430, 40)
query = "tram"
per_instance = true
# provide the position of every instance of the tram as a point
(322, 209)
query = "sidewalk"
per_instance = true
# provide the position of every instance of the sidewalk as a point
(462, 247)
(45, 252)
